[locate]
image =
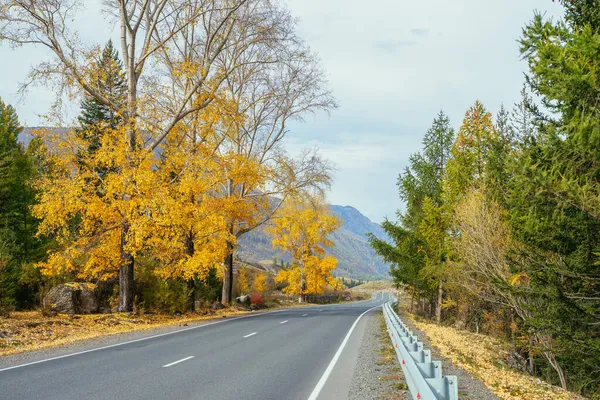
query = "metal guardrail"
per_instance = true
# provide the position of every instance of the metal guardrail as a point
(423, 376)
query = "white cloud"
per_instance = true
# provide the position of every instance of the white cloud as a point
(393, 64)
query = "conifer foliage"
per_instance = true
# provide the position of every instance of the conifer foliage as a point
(510, 229)
(18, 245)
(108, 78)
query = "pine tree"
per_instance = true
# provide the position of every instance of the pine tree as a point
(580, 13)
(523, 117)
(418, 249)
(18, 244)
(9, 153)
(498, 156)
(553, 196)
(109, 80)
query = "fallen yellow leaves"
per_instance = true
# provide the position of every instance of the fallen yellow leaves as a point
(30, 330)
(25, 331)
(482, 356)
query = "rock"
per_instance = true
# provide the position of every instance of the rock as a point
(516, 361)
(245, 299)
(217, 306)
(72, 298)
(200, 304)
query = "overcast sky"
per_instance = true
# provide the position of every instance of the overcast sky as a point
(392, 64)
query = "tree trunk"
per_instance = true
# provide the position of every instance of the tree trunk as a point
(301, 294)
(546, 342)
(302, 280)
(191, 283)
(561, 374)
(126, 277)
(438, 308)
(228, 277)
(412, 298)
(462, 314)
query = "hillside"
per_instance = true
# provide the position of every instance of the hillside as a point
(356, 259)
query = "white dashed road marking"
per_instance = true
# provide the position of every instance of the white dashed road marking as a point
(177, 362)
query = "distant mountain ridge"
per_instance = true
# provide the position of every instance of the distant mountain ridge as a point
(356, 258)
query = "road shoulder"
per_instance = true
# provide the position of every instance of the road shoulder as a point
(98, 342)
(377, 373)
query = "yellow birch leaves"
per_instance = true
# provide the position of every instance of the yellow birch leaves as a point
(302, 228)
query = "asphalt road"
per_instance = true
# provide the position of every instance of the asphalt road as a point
(303, 353)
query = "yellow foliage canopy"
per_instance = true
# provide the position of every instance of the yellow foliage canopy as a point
(173, 208)
(302, 228)
(87, 197)
(261, 283)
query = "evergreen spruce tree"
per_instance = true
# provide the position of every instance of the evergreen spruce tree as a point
(553, 195)
(419, 185)
(523, 117)
(580, 13)
(109, 80)
(18, 244)
(10, 151)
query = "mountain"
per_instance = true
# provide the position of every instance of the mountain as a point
(356, 259)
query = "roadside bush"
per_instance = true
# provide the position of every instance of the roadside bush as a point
(209, 289)
(156, 294)
(256, 299)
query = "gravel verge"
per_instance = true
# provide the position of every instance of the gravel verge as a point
(377, 374)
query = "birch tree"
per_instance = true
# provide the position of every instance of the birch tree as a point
(302, 228)
(269, 97)
(174, 61)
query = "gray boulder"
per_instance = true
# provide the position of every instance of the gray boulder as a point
(245, 299)
(72, 298)
(217, 305)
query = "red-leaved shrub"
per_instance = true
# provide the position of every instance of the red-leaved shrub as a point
(256, 298)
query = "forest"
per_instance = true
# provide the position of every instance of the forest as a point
(176, 154)
(501, 230)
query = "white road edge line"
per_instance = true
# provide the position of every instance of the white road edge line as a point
(250, 334)
(137, 340)
(304, 315)
(283, 322)
(315, 393)
(177, 362)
